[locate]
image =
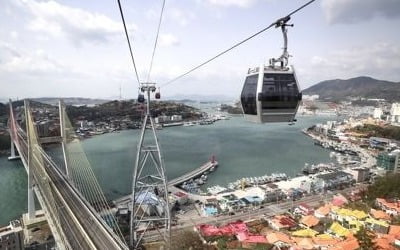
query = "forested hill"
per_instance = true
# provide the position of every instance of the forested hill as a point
(363, 86)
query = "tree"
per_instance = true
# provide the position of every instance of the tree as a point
(396, 220)
(365, 239)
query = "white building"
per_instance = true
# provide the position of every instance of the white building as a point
(395, 113)
(378, 113)
(176, 118)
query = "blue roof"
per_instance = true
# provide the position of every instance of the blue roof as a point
(210, 210)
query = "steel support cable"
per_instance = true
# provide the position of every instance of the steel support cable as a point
(83, 179)
(155, 41)
(77, 176)
(80, 179)
(80, 166)
(236, 45)
(88, 182)
(128, 40)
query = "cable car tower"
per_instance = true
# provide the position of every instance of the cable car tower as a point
(150, 211)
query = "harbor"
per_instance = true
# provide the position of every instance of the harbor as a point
(111, 157)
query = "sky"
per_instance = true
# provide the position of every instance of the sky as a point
(78, 48)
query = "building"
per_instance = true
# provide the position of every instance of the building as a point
(333, 180)
(395, 113)
(389, 161)
(176, 118)
(359, 174)
(181, 197)
(378, 142)
(377, 226)
(323, 211)
(12, 236)
(377, 113)
(390, 207)
(304, 209)
(282, 222)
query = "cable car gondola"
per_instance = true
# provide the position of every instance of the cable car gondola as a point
(140, 98)
(271, 92)
(158, 94)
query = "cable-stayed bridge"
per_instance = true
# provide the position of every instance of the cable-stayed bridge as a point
(75, 206)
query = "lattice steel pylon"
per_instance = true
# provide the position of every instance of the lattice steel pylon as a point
(150, 213)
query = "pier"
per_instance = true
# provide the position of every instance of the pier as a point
(179, 180)
(193, 174)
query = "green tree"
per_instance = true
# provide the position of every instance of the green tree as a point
(384, 187)
(365, 239)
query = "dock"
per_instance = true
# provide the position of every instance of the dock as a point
(193, 174)
(172, 184)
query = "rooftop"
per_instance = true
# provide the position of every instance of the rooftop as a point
(309, 220)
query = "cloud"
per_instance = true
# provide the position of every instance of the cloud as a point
(167, 40)
(381, 60)
(234, 3)
(78, 25)
(35, 63)
(353, 11)
(181, 17)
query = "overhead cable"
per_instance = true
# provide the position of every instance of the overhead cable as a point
(155, 42)
(237, 44)
(127, 38)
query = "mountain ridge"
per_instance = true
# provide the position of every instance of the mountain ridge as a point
(362, 87)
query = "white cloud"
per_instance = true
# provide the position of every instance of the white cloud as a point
(353, 11)
(167, 40)
(235, 3)
(29, 63)
(151, 14)
(381, 60)
(78, 25)
(14, 34)
(179, 16)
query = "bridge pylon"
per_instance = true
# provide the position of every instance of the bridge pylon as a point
(12, 127)
(31, 180)
(149, 201)
(63, 131)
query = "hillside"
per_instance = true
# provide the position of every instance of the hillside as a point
(363, 86)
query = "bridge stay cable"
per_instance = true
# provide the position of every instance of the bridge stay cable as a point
(87, 182)
(236, 45)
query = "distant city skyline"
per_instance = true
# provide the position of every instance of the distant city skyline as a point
(74, 48)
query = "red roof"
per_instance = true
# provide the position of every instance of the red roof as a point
(337, 201)
(230, 229)
(256, 239)
(180, 194)
(287, 221)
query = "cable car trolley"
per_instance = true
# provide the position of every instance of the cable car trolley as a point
(271, 92)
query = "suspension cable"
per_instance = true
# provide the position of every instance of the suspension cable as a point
(129, 43)
(155, 42)
(237, 44)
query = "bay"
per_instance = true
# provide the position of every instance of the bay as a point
(243, 149)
